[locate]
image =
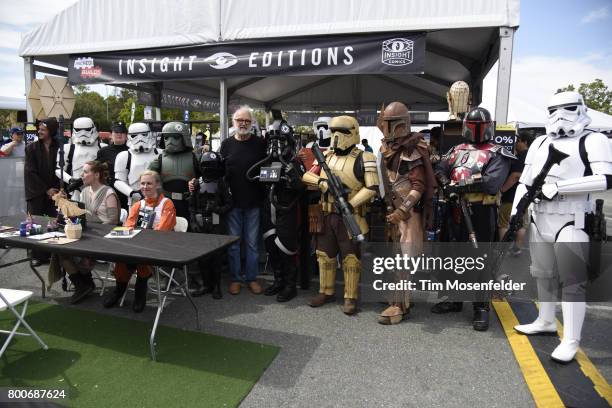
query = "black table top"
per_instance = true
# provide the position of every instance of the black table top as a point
(163, 248)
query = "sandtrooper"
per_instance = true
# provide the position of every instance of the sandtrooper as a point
(559, 233)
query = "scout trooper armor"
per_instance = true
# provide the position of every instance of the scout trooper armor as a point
(322, 132)
(131, 163)
(84, 147)
(559, 217)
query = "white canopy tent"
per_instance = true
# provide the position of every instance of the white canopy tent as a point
(9, 102)
(463, 41)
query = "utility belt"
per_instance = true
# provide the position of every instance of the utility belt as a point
(481, 198)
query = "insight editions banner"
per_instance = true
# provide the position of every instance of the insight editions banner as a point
(380, 53)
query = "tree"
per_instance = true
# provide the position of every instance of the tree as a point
(596, 95)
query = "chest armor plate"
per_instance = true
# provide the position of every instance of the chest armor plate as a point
(82, 154)
(342, 167)
(177, 167)
(570, 167)
(139, 163)
(467, 161)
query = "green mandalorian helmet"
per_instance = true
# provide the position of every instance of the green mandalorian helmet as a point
(177, 137)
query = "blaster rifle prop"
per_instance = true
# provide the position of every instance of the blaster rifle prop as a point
(340, 202)
(598, 236)
(467, 217)
(554, 157)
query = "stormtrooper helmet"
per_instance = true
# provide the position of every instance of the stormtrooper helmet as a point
(140, 138)
(84, 132)
(567, 115)
(322, 132)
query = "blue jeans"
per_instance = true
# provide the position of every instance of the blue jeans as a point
(244, 222)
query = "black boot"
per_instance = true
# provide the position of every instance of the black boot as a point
(279, 282)
(481, 317)
(82, 287)
(215, 281)
(205, 287)
(116, 295)
(290, 275)
(447, 307)
(140, 294)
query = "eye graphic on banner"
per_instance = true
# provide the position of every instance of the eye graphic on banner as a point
(221, 60)
(397, 51)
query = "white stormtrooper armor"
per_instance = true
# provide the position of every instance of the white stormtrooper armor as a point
(131, 163)
(84, 147)
(559, 217)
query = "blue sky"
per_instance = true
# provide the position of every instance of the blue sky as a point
(564, 28)
(558, 43)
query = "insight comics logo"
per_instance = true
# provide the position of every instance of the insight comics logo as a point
(397, 52)
(86, 67)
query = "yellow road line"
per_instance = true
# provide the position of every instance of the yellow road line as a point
(588, 368)
(539, 384)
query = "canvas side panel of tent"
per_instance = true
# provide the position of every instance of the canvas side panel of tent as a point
(243, 19)
(109, 25)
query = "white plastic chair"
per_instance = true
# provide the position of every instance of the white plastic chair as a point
(181, 224)
(9, 298)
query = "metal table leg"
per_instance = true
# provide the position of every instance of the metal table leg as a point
(160, 307)
(188, 295)
(40, 278)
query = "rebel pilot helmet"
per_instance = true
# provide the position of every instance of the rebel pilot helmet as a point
(567, 115)
(345, 133)
(140, 138)
(177, 137)
(478, 126)
(84, 132)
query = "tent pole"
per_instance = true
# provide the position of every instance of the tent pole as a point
(506, 41)
(29, 74)
(223, 109)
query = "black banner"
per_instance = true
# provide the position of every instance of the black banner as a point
(365, 118)
(391, 53)
(181, 100)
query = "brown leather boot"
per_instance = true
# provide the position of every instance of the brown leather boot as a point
(394, 314)
(349, 307)
(321, 299)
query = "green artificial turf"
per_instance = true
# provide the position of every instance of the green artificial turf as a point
(104, 361)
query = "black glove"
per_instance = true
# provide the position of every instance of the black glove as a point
(136, 195)
(193, 224)
(74, 184)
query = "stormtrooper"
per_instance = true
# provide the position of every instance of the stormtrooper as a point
(559, 232)
(177, 165)
(84, 147)
(131, 163)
